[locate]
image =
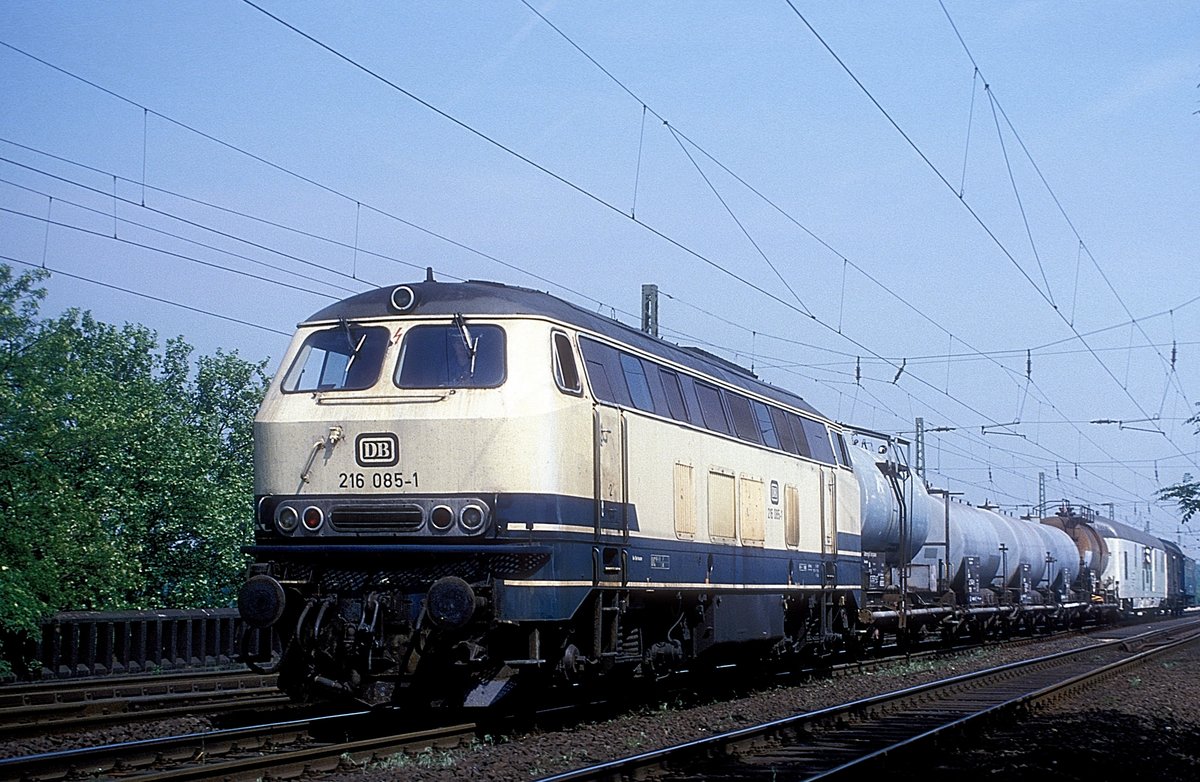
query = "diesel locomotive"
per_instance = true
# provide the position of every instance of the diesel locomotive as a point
(467, 488)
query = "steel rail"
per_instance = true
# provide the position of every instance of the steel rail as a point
(68, 690)
(237, 753)
(861, 721)
(348, 755)
(183, 706)
(144, 752)
(1027, 700)
(27, 709)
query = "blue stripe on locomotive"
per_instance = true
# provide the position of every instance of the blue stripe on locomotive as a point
(650, 560)
(514, 510)
(663, 563)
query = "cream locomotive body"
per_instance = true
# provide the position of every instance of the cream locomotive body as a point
(476, 484)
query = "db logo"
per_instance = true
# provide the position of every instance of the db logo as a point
(377, 449)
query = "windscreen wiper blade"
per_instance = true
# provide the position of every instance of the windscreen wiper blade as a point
(355, 347)
(472, 344)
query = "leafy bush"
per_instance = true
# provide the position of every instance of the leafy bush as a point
(126, 471)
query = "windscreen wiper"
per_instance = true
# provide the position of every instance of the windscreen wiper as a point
(355, 347)
(472, 344)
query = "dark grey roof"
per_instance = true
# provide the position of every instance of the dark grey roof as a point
(1115, 529)
(1172, 547)
(481, 298)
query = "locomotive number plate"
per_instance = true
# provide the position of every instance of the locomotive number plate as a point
(378, 480)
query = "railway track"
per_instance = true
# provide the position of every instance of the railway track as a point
(85, 704)
(283, 749)
(32, 709)
(845, 742)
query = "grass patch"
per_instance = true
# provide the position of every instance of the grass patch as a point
(428, 758)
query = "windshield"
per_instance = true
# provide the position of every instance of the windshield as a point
(458, 355)
(344, 358)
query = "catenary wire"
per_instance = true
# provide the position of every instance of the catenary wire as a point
(160, 300)
(180, 237)
(677, 134)
(937, 172)
(1054, 197)
(170, 253)
(283, 169)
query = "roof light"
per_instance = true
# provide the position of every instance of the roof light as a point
(403, 298)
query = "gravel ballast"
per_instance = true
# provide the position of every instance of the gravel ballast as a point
(1145, 723)
(536, 755)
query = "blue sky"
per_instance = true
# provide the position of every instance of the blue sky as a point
(1097, 100)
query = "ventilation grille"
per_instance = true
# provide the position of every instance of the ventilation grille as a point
(378, 518)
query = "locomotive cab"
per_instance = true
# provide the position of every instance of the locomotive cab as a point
(400, 460)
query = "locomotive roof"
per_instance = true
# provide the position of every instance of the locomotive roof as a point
(477, 297)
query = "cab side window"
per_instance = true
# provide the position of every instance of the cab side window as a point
(566, 372)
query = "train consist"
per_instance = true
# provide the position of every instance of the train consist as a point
(466, 488)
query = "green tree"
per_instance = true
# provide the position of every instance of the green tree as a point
(1187, 492)
(125, 471)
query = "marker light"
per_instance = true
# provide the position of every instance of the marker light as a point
(313, 518)
(441, 517)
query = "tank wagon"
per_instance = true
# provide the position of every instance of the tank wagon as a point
(462, 488)
(962, 569)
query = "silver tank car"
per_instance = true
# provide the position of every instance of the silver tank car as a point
(1033, 557)
(880, 507)
(1062, 558)
(1024, 556)
(974, 532)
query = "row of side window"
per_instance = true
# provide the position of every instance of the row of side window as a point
(626, 380)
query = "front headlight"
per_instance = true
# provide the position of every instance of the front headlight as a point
(286, 519)
(471, 518)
